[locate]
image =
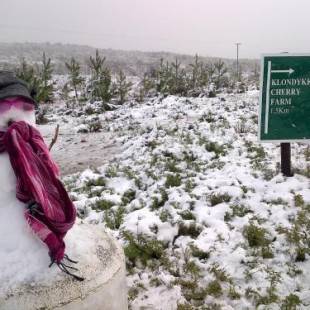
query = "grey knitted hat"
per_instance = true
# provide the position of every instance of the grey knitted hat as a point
(10, 86)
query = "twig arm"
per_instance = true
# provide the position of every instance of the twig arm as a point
(55, 137)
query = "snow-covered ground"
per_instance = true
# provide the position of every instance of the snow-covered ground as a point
(76, 152)
(206, 219)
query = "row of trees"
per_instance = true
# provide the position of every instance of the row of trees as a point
(98, 87)
(195, 79)
(172, 78)
(167, 78)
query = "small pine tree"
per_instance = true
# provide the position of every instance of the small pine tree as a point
(195, 73)
(146, 85)
(100, 82)
(122, 87)
(27, 73)
(45, 91)
(256, 71)
(161, 77)
(175, 76)
(255, 75)
(210, 68)
(178, 80)
(205, 75)
(220, 71)
(76, 80)
(64, 94)
(96, 65)
(199, 75)
(171, 78)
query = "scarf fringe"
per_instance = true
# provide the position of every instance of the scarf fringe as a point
(64, 268)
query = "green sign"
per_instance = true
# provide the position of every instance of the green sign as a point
(285, 98)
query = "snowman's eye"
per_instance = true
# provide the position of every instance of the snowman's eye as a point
(27, 106)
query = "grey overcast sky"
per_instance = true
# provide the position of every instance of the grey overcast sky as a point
(206, 27)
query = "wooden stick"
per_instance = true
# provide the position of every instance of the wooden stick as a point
(55, 137)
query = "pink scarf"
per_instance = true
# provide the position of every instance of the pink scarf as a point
(50, 212)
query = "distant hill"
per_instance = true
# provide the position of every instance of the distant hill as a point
(132, 62)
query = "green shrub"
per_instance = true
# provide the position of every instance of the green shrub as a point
(214, 288)
(237, 210)
(165, 216)
(219, 273)
(207, 117)
(192, 230)
(111, 172)
(300, 255)
(157, 203)
(189, 185)
(114, 219)
(102, 205)
(257, 156)
(133, 293)
(192, 268)
(171, 165)
(173, 180)
(152, 144)
(155, 282)
(186, 284)
(128, 197)
(290, 302)
(256, 236)
(218, 149)
(96, 182)
(95, 193)
(196, 295)
(299, 200)
(187, 215)
(200, 254)
(267, 252)
(141, 249)
(95, 126)
(255, 152)
(216, 199)
(298, 235)
(185, 307)
(233, 294)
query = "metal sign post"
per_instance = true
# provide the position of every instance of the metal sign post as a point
(286, 160)
(285, 103)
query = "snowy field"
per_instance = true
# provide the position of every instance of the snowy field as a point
(206, 219)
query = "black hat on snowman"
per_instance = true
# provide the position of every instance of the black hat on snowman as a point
(10, 86)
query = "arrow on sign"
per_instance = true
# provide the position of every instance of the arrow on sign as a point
(289, 71)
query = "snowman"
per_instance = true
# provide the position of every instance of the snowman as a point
(35, 210)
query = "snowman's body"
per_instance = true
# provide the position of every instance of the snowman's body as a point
(26, 282)
(22, 255)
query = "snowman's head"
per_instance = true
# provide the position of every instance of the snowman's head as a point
(16, 109)
(16, 103)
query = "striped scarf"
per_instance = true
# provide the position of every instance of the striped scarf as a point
(50, 212)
